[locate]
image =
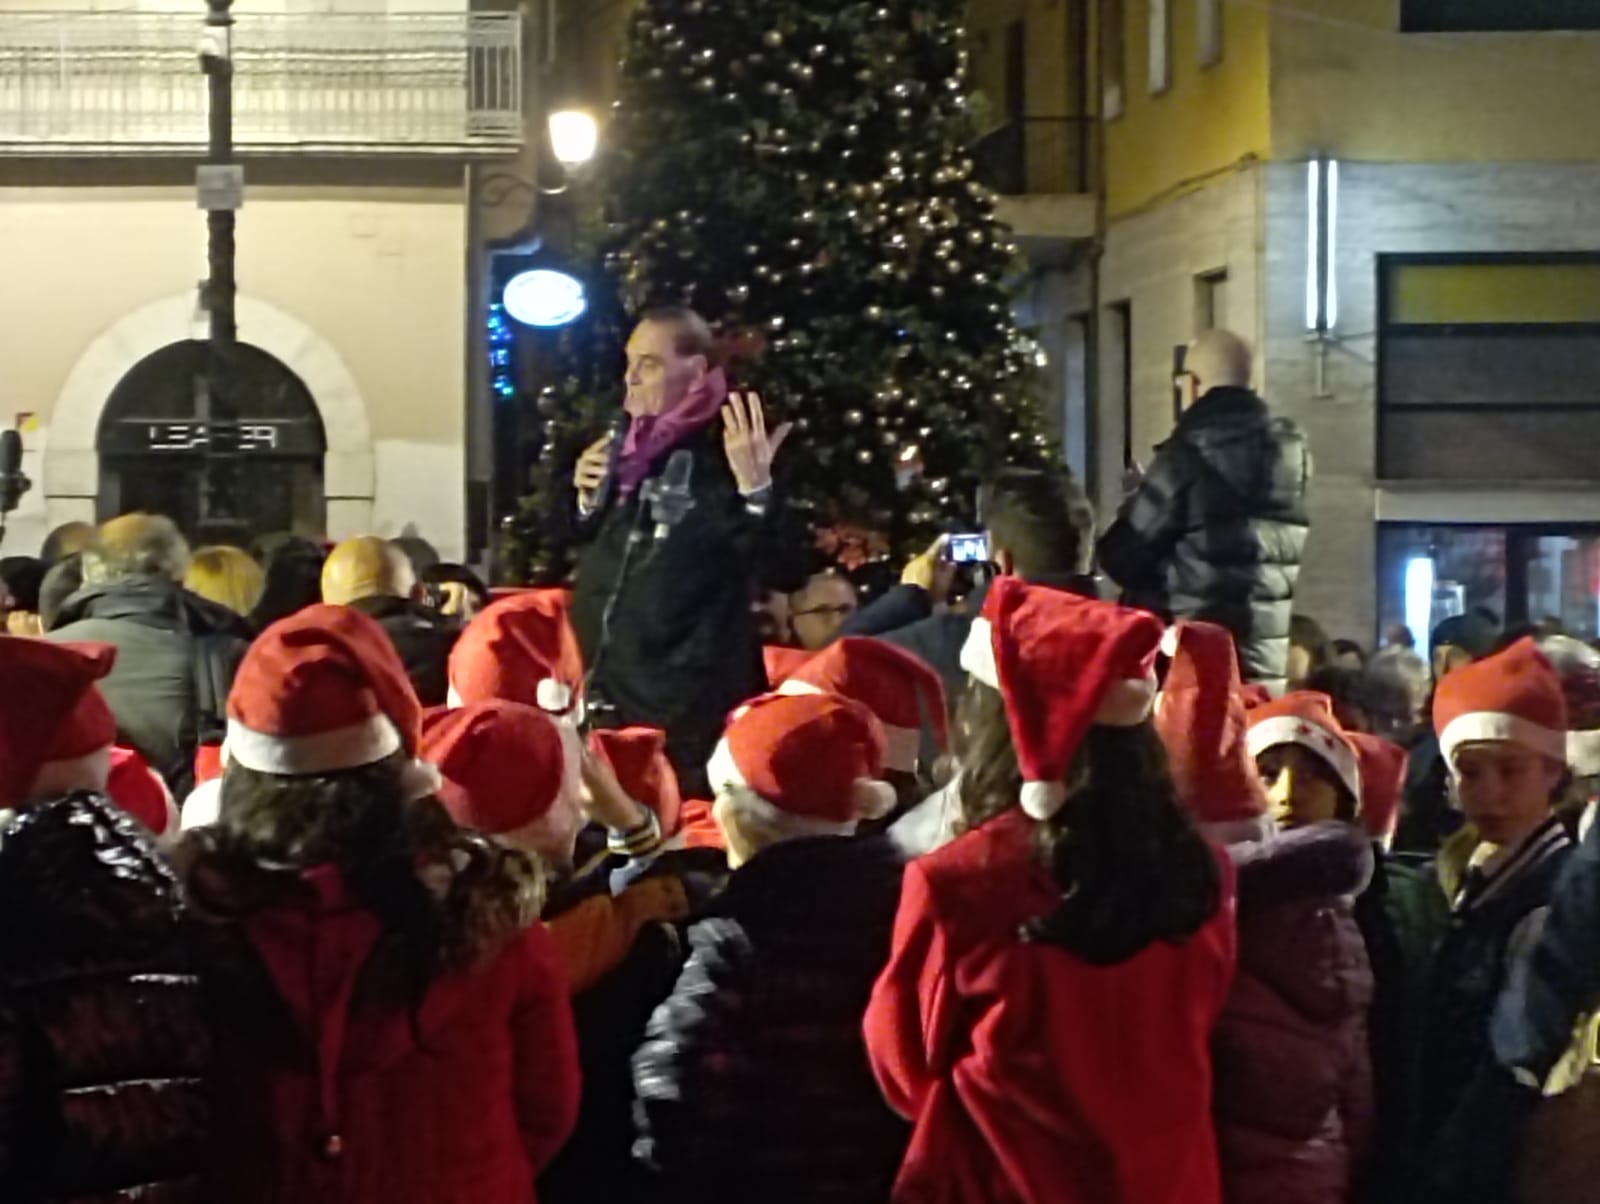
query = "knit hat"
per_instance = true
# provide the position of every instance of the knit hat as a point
(638, 756)
(504, 764)
(1513, 697)
(522, 649)
(1383, 779)
(50, 710)
(895, 685)
(1062, 664)
(1201, 718)
(812, 758)
(1306, 718)
(321, 692)
(1578, 667)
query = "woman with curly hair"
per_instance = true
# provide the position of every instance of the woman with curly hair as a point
(1045, 1016)
(392, 1024)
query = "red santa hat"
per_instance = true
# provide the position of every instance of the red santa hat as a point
(323, 691)
(1062, 664)
(1514, 697)
(895, 685)
(51, 713)
(1578, 667)
(782, 663)
(139, 791)
(1305, 718)
(1383, 779)
(1201, 718)
(638, 756)
(812, 761)
(522, 649)
(505, 765)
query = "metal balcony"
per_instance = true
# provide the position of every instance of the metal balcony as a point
(1040, 168)
(90, 83)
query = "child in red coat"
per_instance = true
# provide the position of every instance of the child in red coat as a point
(1046, 1013)
(391, 1021)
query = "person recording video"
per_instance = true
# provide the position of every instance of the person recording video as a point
(683, 522)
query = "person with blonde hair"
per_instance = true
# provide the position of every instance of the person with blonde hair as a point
(227, 576)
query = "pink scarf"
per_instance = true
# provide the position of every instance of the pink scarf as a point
(651, 438)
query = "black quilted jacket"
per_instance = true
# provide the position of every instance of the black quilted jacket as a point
(103, 1047)
(753, 1082)
(1217, 528)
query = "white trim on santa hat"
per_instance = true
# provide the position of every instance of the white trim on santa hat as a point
(1583, 753)
(902, 746)
(343, 748)
(977, 654)
(1292, 729)
(1480, 727)
(203, 805)
(872, 799)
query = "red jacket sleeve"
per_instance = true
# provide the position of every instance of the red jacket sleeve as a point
(912, 1004)
(545, 1078)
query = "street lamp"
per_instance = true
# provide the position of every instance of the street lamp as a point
(574, 136)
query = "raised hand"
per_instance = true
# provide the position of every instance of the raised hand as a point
(749, 447)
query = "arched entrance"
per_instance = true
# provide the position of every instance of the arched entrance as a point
(225, 468)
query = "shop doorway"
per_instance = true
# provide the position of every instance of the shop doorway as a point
(224, 468)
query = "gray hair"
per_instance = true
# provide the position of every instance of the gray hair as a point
(136, 545)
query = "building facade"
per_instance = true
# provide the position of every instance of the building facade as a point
(360, 124)
(1394, 202)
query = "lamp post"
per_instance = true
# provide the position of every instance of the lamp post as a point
(219, 183)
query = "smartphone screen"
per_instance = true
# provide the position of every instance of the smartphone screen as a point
(968, 548)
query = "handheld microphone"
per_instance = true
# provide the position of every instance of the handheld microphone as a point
(672, 494)
(608, 487)
(13, 483)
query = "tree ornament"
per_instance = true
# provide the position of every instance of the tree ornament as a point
(864, 456)
(874, 312)
(854, 417)
(775, 322)
(772, 39)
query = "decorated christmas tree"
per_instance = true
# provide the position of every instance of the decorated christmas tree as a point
(799, 172)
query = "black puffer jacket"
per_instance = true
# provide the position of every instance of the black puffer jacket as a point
(753, 1082)
(1217, 528)
(682, 649)
(422, 638)
(103, 1042)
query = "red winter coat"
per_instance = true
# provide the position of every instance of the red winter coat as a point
(329, 1103)
(1294, 1071)
(1030, 1075)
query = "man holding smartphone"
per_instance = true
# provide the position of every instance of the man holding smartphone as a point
(1216, 528)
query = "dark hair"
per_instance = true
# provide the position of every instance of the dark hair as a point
(23, 576)
(53, 551)
(478, 897)
(1131, 867)
(1347, 688)
(64, 579)
(293, 571)
(690, 333)
(1349, 648)
(1042, 517)
(1305, 632)
(459, 574)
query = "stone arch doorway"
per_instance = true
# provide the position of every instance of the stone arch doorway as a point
(71, 460)
(225, 468)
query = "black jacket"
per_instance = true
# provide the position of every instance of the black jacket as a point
(1217, 528)
(422, 638)
(103, 1042)
(753, 1081)
(176, 657)
(681, 649)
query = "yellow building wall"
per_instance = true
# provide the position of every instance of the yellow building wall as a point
(1345, 81)
(1208, 120)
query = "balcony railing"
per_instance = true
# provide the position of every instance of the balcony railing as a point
(111, 82)
(1036, 155)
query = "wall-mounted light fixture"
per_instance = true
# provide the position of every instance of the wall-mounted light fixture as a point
(1322, 282)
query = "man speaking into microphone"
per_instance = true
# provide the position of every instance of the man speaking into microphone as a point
(683, 524)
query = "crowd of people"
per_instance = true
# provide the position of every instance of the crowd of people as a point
(332, 875)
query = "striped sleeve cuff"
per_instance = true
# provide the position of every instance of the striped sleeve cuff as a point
(636, 841)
